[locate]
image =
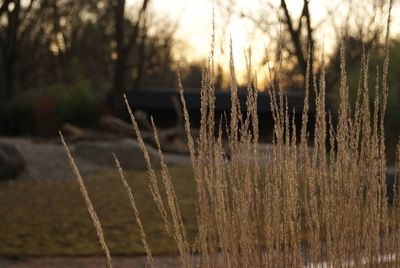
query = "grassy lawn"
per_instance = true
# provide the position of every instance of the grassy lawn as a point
(49, 218)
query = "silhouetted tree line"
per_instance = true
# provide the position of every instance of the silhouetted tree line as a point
(84, 54)
(116, 51)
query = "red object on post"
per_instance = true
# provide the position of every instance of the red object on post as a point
(47, 122)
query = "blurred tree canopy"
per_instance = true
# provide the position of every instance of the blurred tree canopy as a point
(293, 30)
(87, 53)
(38, 38)
(51, 47)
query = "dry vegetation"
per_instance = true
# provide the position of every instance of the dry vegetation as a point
(297, 206)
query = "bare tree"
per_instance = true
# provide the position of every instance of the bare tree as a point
(8, 43)
(21, 32)
(296, 40)
(300, 44)
(125, 45)
(360, 29)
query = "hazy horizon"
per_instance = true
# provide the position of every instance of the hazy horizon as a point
(194, 19)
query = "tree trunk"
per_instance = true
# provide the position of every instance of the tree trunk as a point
(9, 85)
(115, 97)
(116, 94)
(140, 68)
(9, 48)
(124, 47)
(295, 36)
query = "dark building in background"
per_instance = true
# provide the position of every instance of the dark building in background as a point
(159, 103)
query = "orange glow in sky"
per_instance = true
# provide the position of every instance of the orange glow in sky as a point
(194, 19)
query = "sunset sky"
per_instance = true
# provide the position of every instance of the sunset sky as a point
(194, 18)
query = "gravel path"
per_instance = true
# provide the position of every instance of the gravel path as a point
(47, 160)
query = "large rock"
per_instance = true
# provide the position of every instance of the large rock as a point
(11, 161)
(127, 150)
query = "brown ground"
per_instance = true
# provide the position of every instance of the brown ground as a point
(46, 161)
(87, 262)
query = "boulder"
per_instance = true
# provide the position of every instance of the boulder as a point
(115, 125)
(127, 150)
(11, 161)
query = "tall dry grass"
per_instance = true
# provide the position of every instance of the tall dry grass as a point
(298, 205)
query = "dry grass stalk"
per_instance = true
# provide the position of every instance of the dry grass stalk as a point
(179, 228)
(89, 205)
(154, 189)
(136, 212)
(295, 205)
